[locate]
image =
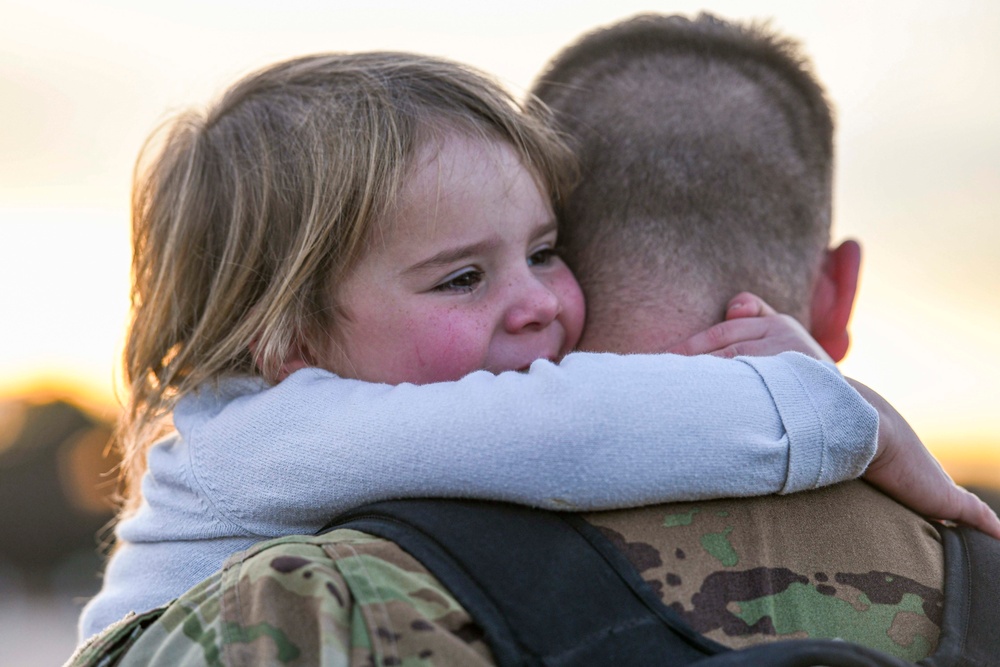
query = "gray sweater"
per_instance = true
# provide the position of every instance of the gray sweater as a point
(597, 431)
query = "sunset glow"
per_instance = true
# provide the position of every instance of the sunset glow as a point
(915, 85)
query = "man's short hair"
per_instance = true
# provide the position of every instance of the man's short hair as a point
(706, 150)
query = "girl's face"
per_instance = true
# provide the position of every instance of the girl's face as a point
(463, 276)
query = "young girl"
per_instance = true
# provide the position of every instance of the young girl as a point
(335, 266)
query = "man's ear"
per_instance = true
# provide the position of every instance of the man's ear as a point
(833, 298)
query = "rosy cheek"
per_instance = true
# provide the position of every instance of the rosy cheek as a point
(445, 347)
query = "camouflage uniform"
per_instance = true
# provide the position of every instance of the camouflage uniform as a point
(344, 598)
(839, 562)
(844, 561)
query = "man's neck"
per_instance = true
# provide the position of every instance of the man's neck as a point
(646, 330)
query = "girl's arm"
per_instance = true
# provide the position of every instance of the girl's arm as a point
(902, 467)
(597, 431)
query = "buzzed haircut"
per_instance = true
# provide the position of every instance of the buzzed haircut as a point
(706, 151)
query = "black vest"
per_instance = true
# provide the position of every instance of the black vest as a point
(520, 572)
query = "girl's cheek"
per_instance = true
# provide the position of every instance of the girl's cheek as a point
(446, 348)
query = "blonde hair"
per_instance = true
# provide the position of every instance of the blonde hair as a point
(246, 216)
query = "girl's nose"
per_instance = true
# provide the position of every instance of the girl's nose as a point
(533, 306)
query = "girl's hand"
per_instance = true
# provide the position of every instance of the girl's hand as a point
(902, 467)
(752, 328)
(905, 470)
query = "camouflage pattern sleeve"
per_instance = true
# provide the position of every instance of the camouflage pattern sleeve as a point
(344, 599)
(844, 561)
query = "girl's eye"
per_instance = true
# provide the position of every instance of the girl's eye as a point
(541, 257)
(463, 282)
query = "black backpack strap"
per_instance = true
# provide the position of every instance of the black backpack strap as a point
(546, 588)
(970, 628)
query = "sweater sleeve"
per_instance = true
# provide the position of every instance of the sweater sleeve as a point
(597, 431)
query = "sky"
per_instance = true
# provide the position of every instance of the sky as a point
(915, 84)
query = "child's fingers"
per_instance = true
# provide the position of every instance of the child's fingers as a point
(972, 511)
(747, 304)
(722, 338)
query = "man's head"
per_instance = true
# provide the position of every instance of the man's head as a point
(707, 157)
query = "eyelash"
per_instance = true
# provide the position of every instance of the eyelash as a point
(542, 256)
(452, 284)
(473, 277)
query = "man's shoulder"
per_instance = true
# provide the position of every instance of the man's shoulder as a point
(368, 602)
(844, 561)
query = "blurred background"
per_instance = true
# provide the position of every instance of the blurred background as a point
(917, 94)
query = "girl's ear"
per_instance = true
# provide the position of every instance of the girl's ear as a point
(294, 360)
(833, 298)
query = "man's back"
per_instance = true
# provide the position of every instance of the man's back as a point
(731, 568)
(844, 561)
(707, 160)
